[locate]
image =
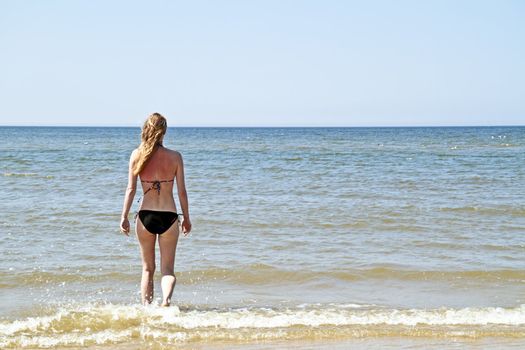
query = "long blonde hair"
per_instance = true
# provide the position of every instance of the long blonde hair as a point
(151, 138)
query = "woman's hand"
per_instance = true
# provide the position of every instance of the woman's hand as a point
(124, 226)
(186, 226)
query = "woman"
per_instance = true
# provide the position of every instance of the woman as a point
(158, 168)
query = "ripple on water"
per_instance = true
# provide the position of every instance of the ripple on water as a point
(301, 202)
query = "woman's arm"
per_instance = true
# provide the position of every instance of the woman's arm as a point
(183, 196)
(128, 197)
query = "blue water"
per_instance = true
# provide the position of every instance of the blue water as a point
(397, 218)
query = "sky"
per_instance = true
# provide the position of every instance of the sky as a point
(263, 62)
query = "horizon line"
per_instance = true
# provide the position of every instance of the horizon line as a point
(262, 126)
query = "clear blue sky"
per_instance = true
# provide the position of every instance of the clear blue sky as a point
(262, 62)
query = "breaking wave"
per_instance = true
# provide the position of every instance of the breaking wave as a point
(92, 324)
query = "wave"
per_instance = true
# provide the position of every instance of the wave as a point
(7, 174)
(37, 278)
(265, 274)
(503, 210)
(260, 274)
(20, 174)
(90, 324)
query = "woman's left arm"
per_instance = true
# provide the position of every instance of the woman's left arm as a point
(128, 197)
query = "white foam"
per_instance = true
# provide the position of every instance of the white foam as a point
(82, 339)
(242, 318)
(100, 324)
(31, 324)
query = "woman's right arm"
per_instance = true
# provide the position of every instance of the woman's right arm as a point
(183, 196)
(130, 194)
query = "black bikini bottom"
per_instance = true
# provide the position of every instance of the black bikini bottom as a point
(157, 222)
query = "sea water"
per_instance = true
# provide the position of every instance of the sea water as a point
(406, 236)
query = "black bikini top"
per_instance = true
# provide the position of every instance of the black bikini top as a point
(155, 185)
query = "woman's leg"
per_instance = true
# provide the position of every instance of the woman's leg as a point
(168, 246)
(147, 252)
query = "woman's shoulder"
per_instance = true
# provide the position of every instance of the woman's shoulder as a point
(174, 157)
(173, 153)
(134, 154)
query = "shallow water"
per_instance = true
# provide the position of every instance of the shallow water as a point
(300, 234)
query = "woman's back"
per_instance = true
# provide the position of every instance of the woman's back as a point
(157, 178)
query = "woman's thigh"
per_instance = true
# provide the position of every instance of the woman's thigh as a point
(168, 246)
(147, 244)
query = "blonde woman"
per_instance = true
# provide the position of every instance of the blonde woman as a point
(158, 168)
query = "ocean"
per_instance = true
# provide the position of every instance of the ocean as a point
(303, 238)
